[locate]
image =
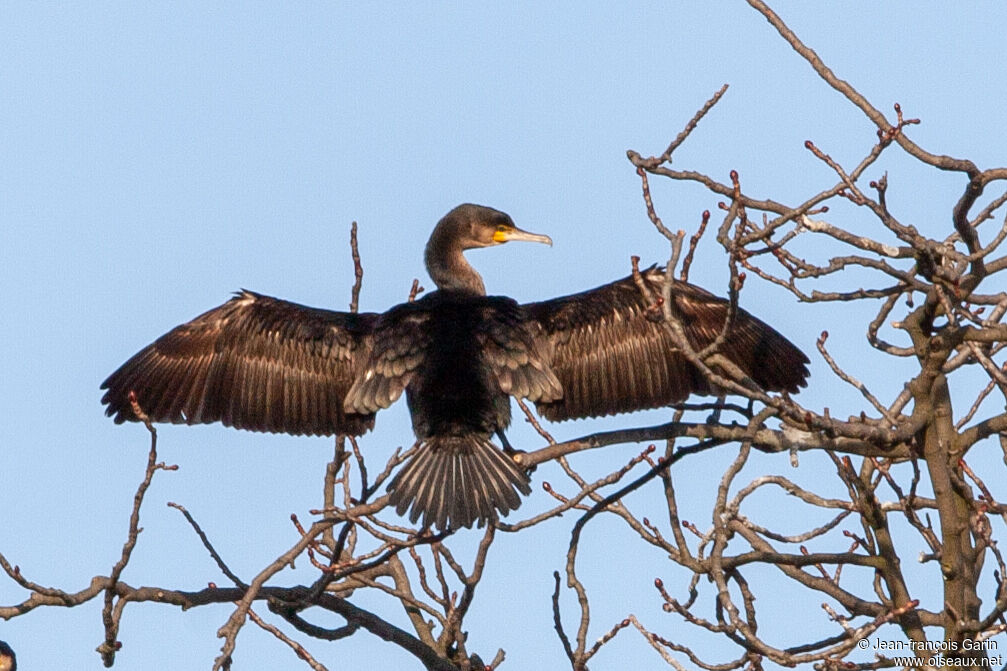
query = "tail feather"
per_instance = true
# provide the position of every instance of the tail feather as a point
(455, 481)
(422, 476)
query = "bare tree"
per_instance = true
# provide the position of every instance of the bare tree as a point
(904, 460)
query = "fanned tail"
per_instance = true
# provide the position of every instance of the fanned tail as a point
(453, 481)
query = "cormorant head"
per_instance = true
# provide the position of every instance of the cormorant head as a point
(467, 227)
(474, 226)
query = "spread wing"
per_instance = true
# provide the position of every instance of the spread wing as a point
(256, 363)
(611, 358)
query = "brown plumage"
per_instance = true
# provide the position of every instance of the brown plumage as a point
(255, 363)
(611, 357)
(264, 364)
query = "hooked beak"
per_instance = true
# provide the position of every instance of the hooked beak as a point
(512, 234)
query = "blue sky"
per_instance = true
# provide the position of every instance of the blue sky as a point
(158, 158)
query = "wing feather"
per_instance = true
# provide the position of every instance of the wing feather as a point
(514, 353)
(256, 363)
(399, 347)
(610, 356)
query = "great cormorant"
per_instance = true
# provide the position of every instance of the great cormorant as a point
(265, 364)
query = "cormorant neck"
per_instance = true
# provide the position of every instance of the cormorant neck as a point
(448, 267)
